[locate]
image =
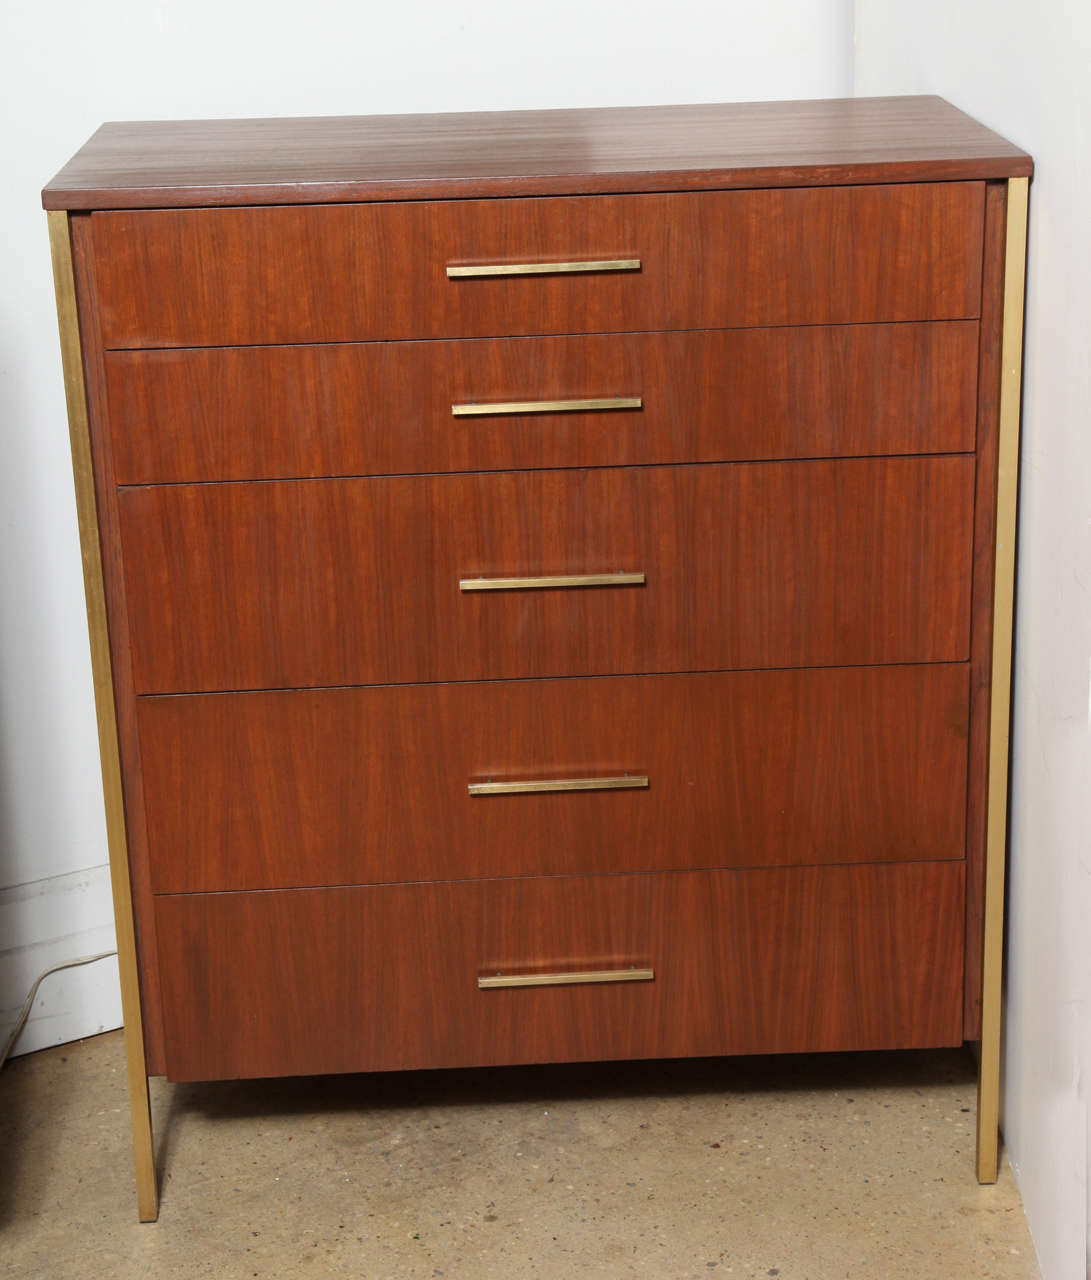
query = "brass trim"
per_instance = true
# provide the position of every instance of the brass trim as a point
(556, 580)
(545, 406)
(488, 269)
(565, 979)
(988, 1080)
(626, 782)
(64, 281)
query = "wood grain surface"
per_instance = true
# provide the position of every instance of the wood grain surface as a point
(374, 979)
(240, 413)
(356, 786)
(120, 654)
(287, 506)
(342, 273)
(331, 582)
(244, 162)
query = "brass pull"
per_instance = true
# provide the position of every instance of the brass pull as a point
(557, 580)
(627, 782)
(545, 406)
(565, 979)
(542, 268)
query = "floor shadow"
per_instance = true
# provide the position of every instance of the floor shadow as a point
(605, 1081)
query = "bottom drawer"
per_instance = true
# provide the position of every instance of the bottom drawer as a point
(802, 959)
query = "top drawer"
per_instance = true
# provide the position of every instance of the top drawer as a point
(721, 259)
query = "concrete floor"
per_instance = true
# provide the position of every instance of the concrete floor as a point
(856, 1167)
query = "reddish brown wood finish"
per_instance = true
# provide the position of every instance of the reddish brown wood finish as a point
(247, 162)
(328, 582)
(810, 850)
(241, 413)
(369, 979)
(339, 273)
(982, 601)
(355, 786)
(124, 698)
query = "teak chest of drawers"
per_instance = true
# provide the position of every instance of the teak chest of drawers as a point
(549, 578)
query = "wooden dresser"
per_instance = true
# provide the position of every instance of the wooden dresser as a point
(542, 571)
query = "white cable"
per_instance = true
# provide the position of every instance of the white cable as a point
(24, 1013)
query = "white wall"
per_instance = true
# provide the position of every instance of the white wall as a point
(1023, 69)
(70, 66)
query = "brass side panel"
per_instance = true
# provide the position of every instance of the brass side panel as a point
(988, 1090)
(87, 512)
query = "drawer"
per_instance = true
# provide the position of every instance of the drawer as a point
(695, 260)
(372, 979)
(241, 413)
(373, 581)
(745, 769)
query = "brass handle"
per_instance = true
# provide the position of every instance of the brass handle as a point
(545, 406)
(542, 268)
(627, 782)
(565, 979)
(557, 580)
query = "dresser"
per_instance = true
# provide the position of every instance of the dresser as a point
(549, 579)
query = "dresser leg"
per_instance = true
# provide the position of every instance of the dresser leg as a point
(1011, 359)
(60, 244)
(147, 1186)
(988, 1116)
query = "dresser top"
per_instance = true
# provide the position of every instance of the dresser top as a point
(192, 163)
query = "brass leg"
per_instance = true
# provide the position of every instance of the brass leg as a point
(988, 1082)
(60, 244)
(147, 1188)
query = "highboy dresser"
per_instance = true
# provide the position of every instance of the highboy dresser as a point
(549, 579)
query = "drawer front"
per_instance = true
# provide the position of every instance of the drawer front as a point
(338, 582)
(241, 413)
(383, 978)
(344, 273)
(746, 769)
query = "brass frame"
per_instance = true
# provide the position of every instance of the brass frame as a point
(60, 244)
(999, 722)
(1011, 372)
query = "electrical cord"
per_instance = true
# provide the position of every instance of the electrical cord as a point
(28, 1004)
